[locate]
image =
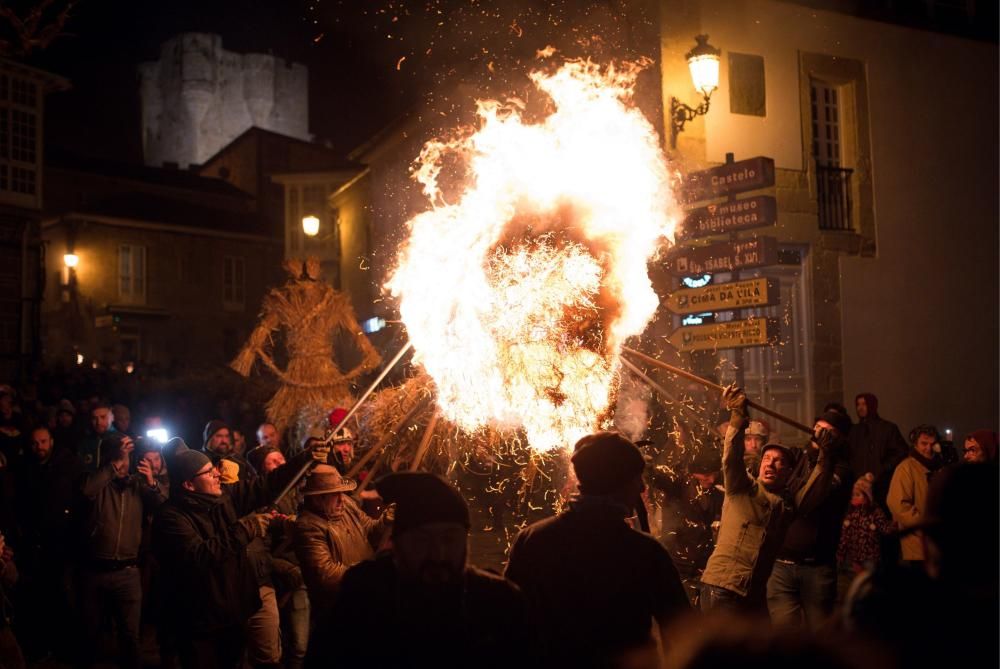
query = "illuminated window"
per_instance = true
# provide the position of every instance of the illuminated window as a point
(132, 273)
(233, 283)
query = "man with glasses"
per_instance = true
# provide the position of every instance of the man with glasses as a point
(201, 536)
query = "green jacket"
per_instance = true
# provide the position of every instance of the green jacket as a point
(754, 521)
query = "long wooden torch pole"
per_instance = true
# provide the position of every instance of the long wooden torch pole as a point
(715, 386)
(357, 405)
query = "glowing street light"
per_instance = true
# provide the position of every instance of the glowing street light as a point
(310, 225)
(703, 62)
(71, 260)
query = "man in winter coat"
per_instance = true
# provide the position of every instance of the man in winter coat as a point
(46, 485)
(424, 605)
(596, 585)
(756, 513)
(908, 490)
(200, 535)
(692, 508)
(332, 534)
(117, 503)
(217, 443)
(875, 446)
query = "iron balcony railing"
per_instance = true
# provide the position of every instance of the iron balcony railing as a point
(833, 190)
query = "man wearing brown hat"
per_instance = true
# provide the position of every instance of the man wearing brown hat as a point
(596, 585)
(332, 534)
(756, 513)
(423, 605)
(200, 536)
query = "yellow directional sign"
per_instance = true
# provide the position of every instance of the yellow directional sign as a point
(760, 292)
(733, 334)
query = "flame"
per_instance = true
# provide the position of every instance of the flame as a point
(519, 295)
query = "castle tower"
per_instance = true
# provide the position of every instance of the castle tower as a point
(198, 97)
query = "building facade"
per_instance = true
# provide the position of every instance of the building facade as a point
(169, 269)
(22, 115)
(886, 199)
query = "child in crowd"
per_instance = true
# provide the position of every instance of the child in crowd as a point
(865, 521)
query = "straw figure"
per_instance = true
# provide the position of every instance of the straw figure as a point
(311, 312)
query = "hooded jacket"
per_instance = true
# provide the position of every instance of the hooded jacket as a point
(875, 445)
(210, 583)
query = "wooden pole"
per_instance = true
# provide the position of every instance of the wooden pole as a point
(715, 386)
(377, 448)
(361, 400)
(426, 441)
(664, 393)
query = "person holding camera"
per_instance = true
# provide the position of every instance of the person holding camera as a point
(202, 533)
(756, 513)
(116, 504)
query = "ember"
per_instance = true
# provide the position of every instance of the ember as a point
(519, 295)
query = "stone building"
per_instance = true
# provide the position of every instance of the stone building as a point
(884, 138)
(22, 120)
(170, 267)
(198, 97)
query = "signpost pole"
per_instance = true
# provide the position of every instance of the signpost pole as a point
(738, 357)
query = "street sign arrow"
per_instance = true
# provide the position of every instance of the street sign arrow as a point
(724, 256)
(731, 334)
(729, 178)
(760, 292)
(716, 219)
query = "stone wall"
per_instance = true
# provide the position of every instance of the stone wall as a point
(198, 97)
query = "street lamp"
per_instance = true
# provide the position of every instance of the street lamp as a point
(703, 61)
(71, 260)
(310, 225)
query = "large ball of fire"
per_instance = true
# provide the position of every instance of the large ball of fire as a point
(519, 296)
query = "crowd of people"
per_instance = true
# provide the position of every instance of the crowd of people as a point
(265, 554)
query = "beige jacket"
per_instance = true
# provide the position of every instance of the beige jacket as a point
(906, 500)
(327, 549)
(754, 521)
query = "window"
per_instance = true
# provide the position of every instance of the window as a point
(233, 283)
(747, 93)
(824, 106)
(132, 274)
(833, 181)
(19, 137)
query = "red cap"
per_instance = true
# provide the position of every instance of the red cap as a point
(336, 416)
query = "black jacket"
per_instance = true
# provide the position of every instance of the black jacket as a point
(813, 536)
(594, 584)
(45, 501)
(374, 623)
(875, 445)
(211, 583)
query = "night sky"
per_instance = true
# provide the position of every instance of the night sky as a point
(369, 60)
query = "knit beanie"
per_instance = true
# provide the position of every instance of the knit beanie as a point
(210, 430)
(422, 498)
(256, 457)
(864, 486)
(605, 461)
(185, 464)
(841, 422)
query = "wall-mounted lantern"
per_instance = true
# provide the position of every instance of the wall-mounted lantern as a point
(703, 62)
